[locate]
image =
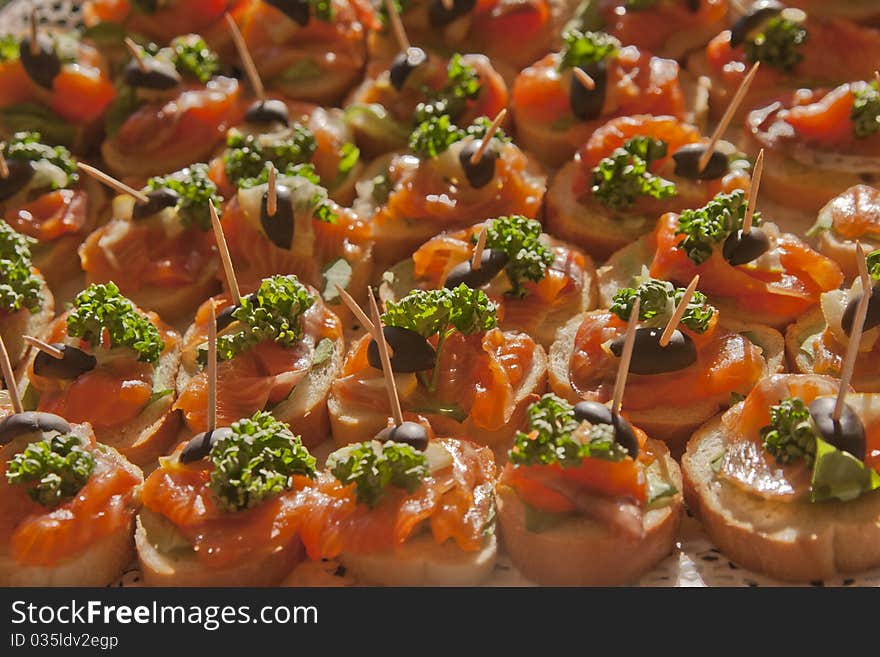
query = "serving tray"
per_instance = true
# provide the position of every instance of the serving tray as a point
(695, 561)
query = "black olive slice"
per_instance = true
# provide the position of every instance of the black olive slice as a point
(739, 249)
(297, 10)
(440, 16)
(872, 319)
(267, 112)
(73, 363)
(693, 6)
(408, 433)
(481, 173)
(650, 358)
(596, 413)
(847, 433)
(278, 227)
(44, 66)
(199, 446)
(20, 174)
(758, 13)
(155, 74)
(158, 200)
(412, 352)
(491, 262)
(19, 424)
(404, 64)
(687, 163)
(586, 104)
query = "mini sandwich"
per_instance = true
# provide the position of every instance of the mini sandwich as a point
(538, 281)
(587, 499)
(413, 513)
(851, 216)
(112, 365)
(452, 366)
(67, 502)
(223, 509)
(450, 181)
(26, 303)
(785, 489)
(279, 349)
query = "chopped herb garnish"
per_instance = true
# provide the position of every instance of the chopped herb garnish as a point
(101, 308)
(54, 469)
(26, 146)
(193, 57)
(372, 467)
(778, 44)
(710, 225)
(434, 135)
(873, 261)
(196, 190)
(256, 462)
(658, 302)
(8, 48)
(585, 48)
(520, 238)
(618, 180)
(349, 154)
(19, 287)
(865, 113)
(246, 155)
(791, 434)
(462, 84)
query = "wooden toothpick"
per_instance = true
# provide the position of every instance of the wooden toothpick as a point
(397, 26)
(225, 258)
(584, 78)
(852, 347)
(625, 357)
(356, 310)
(388, 373)
(111, 182)
(877, 77)
(271, 192)
(678, 313)
(753, 192)
(136, 54)
(35, 47)
(247, 61)
(448, 4)
(728, 116)
(477, 257)
(45, 347)
(9, 378)
(487, 138)
(212, 369)
(4, 168)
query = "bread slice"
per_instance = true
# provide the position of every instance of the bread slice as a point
(13, 327)
(583, 552)
(184, 569)
(792, 541)
(353, 424)
(671, 424)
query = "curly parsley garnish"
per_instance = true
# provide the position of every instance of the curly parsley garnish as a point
(618, 180)
(101, 307)
(372, 467)
(192, 57)
(19, 287)
(54, 469)
(585, 48)
(552, 424)
(873, 261)
(520, 238)
(778, 44)
(712, 224)
(26, 146)
(434, 135)
(865, 113)
(658, 302)
(349, 154)
(791, 434)
(257, 462)
(8, 48)
(246, 155)
(462, 84)
(273, 312)
(195, 189)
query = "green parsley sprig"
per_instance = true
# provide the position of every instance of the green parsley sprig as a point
(622, 177)
(192, 57)
(26, 146)
(873, 261)
(19, 287)
(709, 226)
(101, 307)
(434, 135)
(520, 238)
(256, 462)
(552, 420)
(791, 434)
(658, 302)
(778, 44)
(273, 312)
(585, 48)
(53, 469)
(246, 155)
(865, 113)
(196, 191)
(372, 467)
(462, 84)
